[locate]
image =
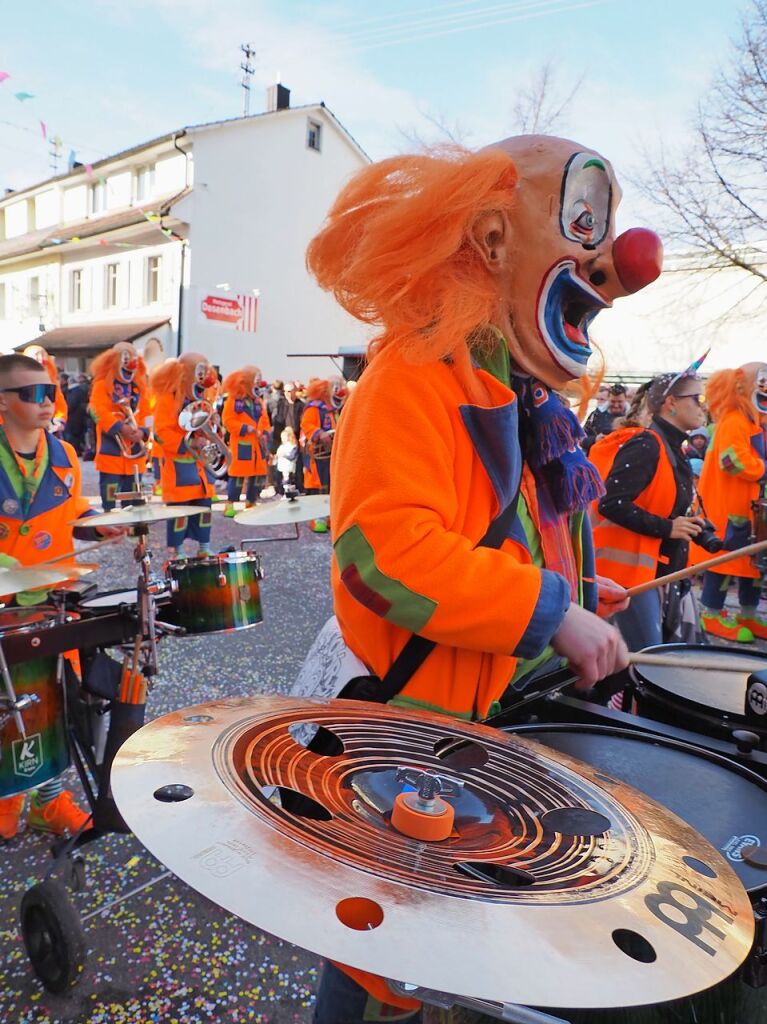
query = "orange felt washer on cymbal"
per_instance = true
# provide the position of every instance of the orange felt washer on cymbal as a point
(430, 827)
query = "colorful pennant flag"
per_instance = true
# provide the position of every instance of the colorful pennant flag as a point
(21, 96)
(89, 170)
(4, 75)
(43, 129)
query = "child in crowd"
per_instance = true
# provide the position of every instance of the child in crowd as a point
(287, 456)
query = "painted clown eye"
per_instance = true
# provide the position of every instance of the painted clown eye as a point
(584, 223)
(586, 199)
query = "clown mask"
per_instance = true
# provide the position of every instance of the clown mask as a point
(556, 259)
(128, 363)
(756, 385)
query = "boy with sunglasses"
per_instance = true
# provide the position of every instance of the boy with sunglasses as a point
(39, 498)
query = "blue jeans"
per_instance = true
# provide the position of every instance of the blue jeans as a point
(715, 591)
(640, 625)
(342, 1001)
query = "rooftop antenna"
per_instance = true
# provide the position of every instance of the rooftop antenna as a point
(54, 154)
(247, 74)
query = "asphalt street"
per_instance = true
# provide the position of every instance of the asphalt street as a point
(167, 954)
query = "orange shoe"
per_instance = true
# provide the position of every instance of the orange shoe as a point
(10, 815)
(727, 627)
(757, 625)
(60, 815)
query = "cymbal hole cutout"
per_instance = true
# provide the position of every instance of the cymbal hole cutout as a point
(316, 738)
(700, 866)
(294, 802)
(359, 913)
(498, 874)
(173, 794)
(575, 821)
(460, 754)
(634, 945)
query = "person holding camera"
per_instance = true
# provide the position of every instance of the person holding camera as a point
(642, 525)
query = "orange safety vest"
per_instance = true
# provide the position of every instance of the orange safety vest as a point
(623, 555)
(45, 531)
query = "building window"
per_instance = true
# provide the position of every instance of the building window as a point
(143, 183)
(153, 266)
(111, 278)
(75, 291)
(314, 135)
(33, 297)
(2, 301)
(97, 197)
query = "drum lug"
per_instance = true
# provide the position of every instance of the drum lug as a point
(221, 580)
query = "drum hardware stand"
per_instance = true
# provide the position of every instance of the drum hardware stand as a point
(11, 705)
(511, 1012)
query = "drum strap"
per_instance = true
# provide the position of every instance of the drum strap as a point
(418, 648)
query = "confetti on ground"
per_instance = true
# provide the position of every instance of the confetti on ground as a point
(168, 955)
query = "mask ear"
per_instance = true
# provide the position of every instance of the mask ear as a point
(490, 237)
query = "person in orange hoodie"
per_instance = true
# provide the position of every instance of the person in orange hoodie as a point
(119, 405)
(40, 496)
(41, 356)
(459, 491)
(185, 478)
(245, 418)
(318, 423)
(733, 478)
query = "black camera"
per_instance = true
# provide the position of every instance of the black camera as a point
(707, 538)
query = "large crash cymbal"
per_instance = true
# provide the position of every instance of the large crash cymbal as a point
(568, 888)
(138, 515)
(287, 510)
(19, 578)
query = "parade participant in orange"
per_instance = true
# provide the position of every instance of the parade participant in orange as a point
(733, 477)
(185, 478)
(459, 490)
(39, 498)
(641, 526)
(39, 354)
(119, 405)
(318, 422)
(245, 418)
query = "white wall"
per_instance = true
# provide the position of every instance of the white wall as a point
(75, 203)
(47, 208)
(170, 174)
(259, 196)
(16, 219)
(119, 190)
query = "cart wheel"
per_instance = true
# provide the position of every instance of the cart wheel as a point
(53, 935)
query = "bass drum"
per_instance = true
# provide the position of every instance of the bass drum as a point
(723, 801)
(43, 753)
(708, 701)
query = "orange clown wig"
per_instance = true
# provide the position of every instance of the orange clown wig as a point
(241, 383)
(106, 366)
(731, 391)
(396, 250)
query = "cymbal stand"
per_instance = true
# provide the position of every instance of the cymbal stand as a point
(11, 706)
(514, 1013)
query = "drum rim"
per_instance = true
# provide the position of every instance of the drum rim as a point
(49, 619)
(88, 602)
(224, 557)
(654, 739)
(217, 632)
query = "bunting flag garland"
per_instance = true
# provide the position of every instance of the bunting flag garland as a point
(21, 96)
(43, 129)
(4, 75)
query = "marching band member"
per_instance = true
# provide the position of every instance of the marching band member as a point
(185, 478)
(39, 354)
(733, 476)
(318, 422)
(245, 418)
(484, 271)
(39, 497)
(119, 405)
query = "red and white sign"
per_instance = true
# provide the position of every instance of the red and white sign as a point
(239, 312)
(227, 310)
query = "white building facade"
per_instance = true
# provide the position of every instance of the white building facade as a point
(197, 238)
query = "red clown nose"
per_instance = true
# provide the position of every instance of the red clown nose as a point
(638, 258)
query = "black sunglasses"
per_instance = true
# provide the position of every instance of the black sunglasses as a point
(34, 393)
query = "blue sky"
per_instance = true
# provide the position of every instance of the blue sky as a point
(107, 74)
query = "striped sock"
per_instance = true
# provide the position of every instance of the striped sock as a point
(49, 791)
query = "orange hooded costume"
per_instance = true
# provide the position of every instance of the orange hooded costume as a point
(245, 418)
(317, 418)
(119, 380)
(473, 264)
(175, 384)
(735, 465)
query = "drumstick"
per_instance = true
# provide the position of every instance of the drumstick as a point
(693, 570)
(86, 547)
(698, 664)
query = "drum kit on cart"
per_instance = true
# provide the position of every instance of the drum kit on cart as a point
(561, 861)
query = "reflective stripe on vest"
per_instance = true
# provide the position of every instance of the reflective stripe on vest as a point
(627, 557)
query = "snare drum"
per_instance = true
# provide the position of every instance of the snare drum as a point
(109, 600)
(216, 593)
(711, 702)
(43, 754)
(721, 799)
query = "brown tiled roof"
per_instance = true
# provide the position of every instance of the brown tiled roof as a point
(51, 238)
(94, 336)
